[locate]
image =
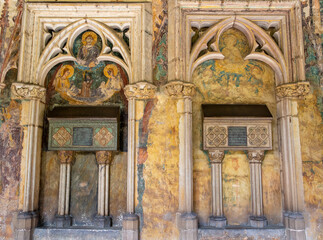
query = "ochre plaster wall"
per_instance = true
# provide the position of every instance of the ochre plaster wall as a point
(157, 164)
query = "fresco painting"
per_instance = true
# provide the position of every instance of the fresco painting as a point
(86, 80)
(234, 80)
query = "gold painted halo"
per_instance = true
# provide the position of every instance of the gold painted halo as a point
(70, 68)
(91, 34)
(112, 68)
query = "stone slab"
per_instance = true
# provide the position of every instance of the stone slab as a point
(232, 232)
(77, 233)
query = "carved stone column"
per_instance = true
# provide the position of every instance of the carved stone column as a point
(217, 219)
(32, 98)
(184, 92)
(133, 92)
(257, 218)
(103, 159)
(288, 123)
(63, 218)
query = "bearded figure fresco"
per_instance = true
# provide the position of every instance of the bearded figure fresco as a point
(87, 80)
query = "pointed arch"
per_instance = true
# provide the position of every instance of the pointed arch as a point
(63, 42)
(255, 35)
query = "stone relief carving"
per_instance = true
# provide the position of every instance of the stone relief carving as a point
(27, 91)
(293, 90)
(180, 89)
(140, 90)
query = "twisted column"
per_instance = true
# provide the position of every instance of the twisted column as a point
(217, 219)
(63, 219)
(103, 159)
(257, 218)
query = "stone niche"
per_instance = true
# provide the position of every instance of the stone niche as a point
(84, 186)
(237, 127)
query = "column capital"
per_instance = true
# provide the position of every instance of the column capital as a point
(28, 91)
(293, 90)
(256, 156)
(180, 89)
(103, 157)
(66, 156)
(216, 156)
(140, 90)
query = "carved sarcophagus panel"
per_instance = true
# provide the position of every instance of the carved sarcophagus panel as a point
(236, 127)
(83, 128)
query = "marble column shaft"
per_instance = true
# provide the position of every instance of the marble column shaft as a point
(255, 160)
(66, 159)
(104, 159)
(216, 158)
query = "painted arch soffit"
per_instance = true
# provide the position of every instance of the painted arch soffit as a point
(60, 48)
(262, 47)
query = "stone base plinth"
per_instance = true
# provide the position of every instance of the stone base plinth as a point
(189, 226)
(295, 225)
(218, 222)
(63, 221)
(102, 221)
(26, 223)
(130, 226)
(258, 221)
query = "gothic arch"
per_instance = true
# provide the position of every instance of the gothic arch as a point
(63, 42)
(256, 37)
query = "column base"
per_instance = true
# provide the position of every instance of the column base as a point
(63, 221)
(26, 223)
(218, 222)
(295, 225)
(130, 226)
(258, 221)
(189, 226)
(102, 221)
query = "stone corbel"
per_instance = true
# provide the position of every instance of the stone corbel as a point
(28, 92)
(140, 91)
(179, 89)
(293, 90)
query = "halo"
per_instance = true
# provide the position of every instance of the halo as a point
(111, 67)
(70, 68)
(91, 34)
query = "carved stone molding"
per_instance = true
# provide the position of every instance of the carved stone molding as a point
(216, 156)
(2, 86)
(180, 89)
(66, 156)
(293, 90)
(103, 157)
(140, 90)
(28, 91)
(256, 156)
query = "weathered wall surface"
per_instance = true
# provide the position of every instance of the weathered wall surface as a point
(157, 164)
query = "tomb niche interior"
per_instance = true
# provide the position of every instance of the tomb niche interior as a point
(234, 80)
(84, 82)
